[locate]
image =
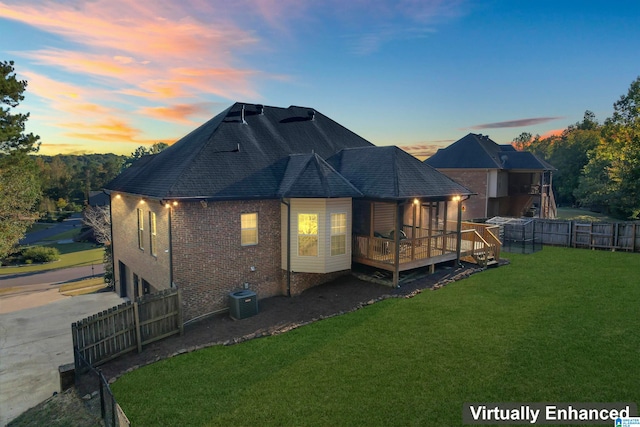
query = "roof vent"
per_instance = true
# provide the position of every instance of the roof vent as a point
(260, 109)
(312, 115)
(242, 120)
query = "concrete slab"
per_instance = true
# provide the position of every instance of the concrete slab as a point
(33, 343)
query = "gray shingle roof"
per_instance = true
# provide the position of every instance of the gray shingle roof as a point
(392, 173)
(224, 151)
(252, 151)
(476, 151)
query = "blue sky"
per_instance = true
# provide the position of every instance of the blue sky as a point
(110, 75)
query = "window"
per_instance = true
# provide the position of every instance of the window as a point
(308, 234)
(249, 229)
(152, 233)
(338, 234)
(140, 229)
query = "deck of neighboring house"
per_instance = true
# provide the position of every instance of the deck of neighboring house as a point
(478, 243)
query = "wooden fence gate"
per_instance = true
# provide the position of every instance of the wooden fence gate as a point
(127, 327)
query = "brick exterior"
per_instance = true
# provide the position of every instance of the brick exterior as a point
(208, 260)
(153, 269)
(300, 282)
(476, 181)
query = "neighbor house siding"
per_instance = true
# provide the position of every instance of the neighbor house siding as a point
(155, 269)
(209, 260)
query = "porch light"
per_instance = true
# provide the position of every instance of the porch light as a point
(118, 196)
(416, 201)
(142, 202)
(456, 198)
(167, 205)
(175, 203)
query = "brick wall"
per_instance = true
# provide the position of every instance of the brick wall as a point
(476, 181)
(209, 260)
(300, 282)
(152, 268)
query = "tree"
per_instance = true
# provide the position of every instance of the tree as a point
(19, 182)
(19, 191)
(12, 126)
(142, 151)
(99, 219)
(612, 176)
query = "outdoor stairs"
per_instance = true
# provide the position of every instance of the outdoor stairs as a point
(486, 260)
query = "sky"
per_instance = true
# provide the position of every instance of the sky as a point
(111, 75)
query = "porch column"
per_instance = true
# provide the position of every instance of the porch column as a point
(459, 229)
(396, 249)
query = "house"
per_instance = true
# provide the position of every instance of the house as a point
(508, 182)
(277, 200)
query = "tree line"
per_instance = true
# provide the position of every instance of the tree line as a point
(598, 164)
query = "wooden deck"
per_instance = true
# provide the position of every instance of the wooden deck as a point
(477, 243)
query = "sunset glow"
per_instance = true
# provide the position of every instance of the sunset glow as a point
(108, 76)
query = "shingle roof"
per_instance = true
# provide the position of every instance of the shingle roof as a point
(227, 149)
(392, 173)
(252, 151)
(479, 152)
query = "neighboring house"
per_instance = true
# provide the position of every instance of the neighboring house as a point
(98, 198)
(508, 182)
(279, 200)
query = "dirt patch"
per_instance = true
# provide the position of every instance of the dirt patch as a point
(279, 314)
(62, 409)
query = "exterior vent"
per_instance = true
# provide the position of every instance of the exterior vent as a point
(260, 109)
(243, 304)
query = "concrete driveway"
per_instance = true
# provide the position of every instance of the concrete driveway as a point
(33, 343)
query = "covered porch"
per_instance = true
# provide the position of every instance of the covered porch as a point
(403, 235)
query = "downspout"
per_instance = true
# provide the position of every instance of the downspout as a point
(486, 196)
(113, 258)
(288, 205)
(171, 284)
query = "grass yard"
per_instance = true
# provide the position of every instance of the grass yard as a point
(559, 325)
(566, 213)
(71, 255)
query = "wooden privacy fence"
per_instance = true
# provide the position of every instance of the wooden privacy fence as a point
(127, 327)
(622, 236)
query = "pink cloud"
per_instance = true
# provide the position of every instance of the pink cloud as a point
(153, 51)
(178, 112)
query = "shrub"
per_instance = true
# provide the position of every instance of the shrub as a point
(40, 254)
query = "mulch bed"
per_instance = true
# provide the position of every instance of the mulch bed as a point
(279, 314)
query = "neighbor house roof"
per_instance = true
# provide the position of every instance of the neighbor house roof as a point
(475, 151)
(255, 152)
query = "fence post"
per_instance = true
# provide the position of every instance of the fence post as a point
(180, 321)
(74, 338)
(136, 318)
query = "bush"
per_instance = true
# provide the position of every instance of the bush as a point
(40, 254)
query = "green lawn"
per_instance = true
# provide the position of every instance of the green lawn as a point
(71, 255)
(584, 215)
(559, 325)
